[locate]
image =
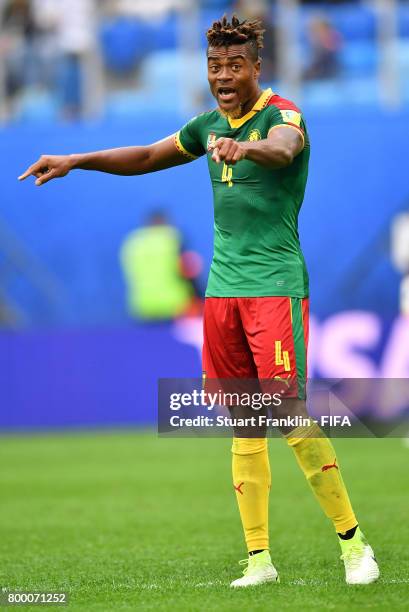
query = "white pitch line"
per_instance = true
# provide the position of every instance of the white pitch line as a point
(301, 582)
(150, 587)
(297, 582)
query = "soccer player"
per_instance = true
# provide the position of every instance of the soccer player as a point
(256, 311)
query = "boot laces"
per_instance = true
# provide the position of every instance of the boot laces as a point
(353, 556)
(245, 562)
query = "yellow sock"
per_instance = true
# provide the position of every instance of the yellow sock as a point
(251, 480)
(316, 457)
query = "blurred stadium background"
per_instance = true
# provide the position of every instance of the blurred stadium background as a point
(78, 75)
(102, 280)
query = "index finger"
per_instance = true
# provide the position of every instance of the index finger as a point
(216, 144)
(30, 171)
(216, 156)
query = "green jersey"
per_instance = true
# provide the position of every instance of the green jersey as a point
(256, 245)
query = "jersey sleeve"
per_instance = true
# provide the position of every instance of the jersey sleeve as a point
(188, 139)
(284, 113)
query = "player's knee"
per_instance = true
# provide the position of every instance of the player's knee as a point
(290, 413)
(248, 446)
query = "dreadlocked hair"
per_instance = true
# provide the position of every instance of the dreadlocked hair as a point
(223, 33)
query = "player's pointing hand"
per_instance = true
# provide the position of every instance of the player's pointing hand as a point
(48, 167)
(227, 150)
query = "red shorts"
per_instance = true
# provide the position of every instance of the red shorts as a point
(257, 338)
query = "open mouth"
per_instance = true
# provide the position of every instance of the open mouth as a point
(226, 93)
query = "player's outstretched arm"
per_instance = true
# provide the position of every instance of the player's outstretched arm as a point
(283, 144)
(126, 161)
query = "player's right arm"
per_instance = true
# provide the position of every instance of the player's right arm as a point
(126, 161)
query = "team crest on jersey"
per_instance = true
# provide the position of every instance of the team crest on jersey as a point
(211, 139)
(254, 135)
(290, 116)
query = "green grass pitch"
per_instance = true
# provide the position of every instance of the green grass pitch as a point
(127, 521)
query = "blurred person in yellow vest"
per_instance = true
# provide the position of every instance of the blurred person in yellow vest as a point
(160, 280)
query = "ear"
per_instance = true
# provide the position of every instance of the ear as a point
(257, 69)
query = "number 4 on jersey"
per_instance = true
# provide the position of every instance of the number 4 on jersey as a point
(227, 175)
(282, 357)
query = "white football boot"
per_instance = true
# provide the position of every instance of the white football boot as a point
(359, 560)
(258, 571)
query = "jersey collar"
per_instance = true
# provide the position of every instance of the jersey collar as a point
(259, 105)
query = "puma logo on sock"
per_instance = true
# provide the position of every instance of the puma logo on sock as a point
(238, 488)
(329, 466)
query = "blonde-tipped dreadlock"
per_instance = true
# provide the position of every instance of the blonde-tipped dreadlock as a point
(223, 33)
